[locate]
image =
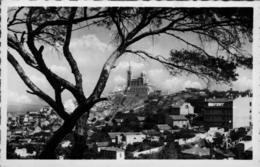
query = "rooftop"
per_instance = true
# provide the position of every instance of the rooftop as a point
(178, 103)
(111, 149)
(219, 100)
(196, 150)
(140, 118)
(163, 127)
(178, 117)
(150, 132)
(114, 134)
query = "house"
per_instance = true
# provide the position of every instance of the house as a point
(182, 108)
(151, 132)
(141, 119)
(163, 127)
(44, 123)
(152, 135)
(18, 131)
(119, 121)
(114, 136)
(112, 153)
(23, 153)
(186, 108)
(102, 144)
(133, 137)
(126, 137)
(177, 120)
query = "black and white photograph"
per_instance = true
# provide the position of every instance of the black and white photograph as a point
(129, 83)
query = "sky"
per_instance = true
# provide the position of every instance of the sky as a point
(91, 48)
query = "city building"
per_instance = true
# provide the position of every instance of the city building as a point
(228, 113)
(180, 108)
(163, 127)
(126, 137)
(133, 137)
(177, 120)
(242, 109)
(112, 153)
(152, 135)
(186, 108)
(141, 119)
(218, 112)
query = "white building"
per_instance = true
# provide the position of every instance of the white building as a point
(149, 151)
(242, 112)
(186, 108)
(112, 153)
(126, 137)
(23, 152)
(181, 108)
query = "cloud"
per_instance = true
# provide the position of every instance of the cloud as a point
(243, 83)
(134, 65)
(162, 80)
(14, 97)
(90, 41)
(172, 84)
(119, 80)
(192, 84)
(58, 69)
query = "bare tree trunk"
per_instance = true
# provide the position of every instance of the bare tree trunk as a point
(78, 147)
(49, 149)
(67, 127)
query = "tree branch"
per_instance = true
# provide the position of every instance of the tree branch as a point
(138, 52)
(149, 33)
(14, 17)
(118, 27)
(65, 22)
(188, 43)
(17, 45)
(107, 67)
(52, 78)
(34, 89)
(68, 55)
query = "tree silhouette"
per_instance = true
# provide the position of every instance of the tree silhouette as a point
(32, 28)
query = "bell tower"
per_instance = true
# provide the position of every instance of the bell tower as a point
(129, 73)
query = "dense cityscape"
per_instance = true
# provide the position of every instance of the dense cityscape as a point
(139, 123)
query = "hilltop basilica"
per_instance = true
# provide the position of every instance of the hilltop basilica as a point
(136, 87)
